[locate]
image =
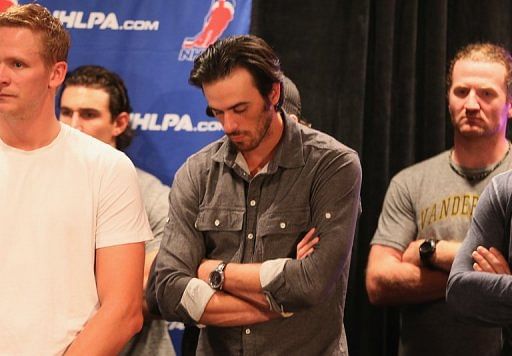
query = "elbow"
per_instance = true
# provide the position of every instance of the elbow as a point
(464, 304)
(454, 298)
(134, 319)
(376, 290)
(375, 296)
(313, 296)
(135, 324)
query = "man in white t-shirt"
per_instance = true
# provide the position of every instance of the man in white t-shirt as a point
(72, 222)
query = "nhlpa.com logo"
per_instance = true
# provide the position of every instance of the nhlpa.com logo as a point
(102, 21)
(220, 14)
(4, 4)
(171, 122)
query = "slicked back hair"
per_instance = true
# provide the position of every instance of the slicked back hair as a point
(242, 51)
(97, 77)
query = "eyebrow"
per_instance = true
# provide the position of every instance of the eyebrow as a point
(79, 109)
(231, 107)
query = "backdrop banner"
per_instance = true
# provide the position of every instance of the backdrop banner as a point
(152, 45)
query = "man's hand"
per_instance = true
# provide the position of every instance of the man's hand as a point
(307, 245)
(412, 253)
(490, 260)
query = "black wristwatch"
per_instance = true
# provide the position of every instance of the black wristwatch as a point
(216, 279)
(427, 250)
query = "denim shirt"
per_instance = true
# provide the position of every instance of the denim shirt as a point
(217, 211)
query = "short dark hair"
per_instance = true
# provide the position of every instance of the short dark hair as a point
(483, 52)
(97, 77)
(242, 51)
(55, 40)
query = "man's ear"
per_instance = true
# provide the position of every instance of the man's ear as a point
(58, 74)
(120, 123)
(275, 93)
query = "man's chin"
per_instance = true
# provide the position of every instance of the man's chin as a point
(242, 146)
(472, 132)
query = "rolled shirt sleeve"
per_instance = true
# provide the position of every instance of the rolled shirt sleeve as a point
(195, 298)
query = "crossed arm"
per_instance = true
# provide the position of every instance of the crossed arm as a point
(480, 286)
(394, 277)
(242, 300)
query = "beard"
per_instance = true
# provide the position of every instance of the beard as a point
(255, 138)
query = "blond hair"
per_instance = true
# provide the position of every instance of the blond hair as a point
(55, 39)
(484, 52)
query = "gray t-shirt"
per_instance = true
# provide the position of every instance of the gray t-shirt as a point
(429, 200)
(153, 339)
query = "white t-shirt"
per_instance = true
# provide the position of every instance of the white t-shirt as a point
(59, 204)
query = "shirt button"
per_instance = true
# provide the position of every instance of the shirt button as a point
(327, 215)
(252, 202)
(250, 236)
(247, 331)
(282, 225)
(217, 222)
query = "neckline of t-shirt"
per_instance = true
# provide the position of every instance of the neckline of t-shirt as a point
(60, 136)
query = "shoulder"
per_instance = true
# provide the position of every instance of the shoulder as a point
(322, 141)
(201, 161)
(147, 179)
(89, 149)
(90, 157)
(321, 145)
(502, 183)
(149, 184)
(427, 168)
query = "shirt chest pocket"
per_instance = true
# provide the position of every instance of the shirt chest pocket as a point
(281, 231)
(221, 230)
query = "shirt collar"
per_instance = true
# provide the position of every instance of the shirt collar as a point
(289, 152)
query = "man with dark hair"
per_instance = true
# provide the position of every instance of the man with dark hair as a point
(428, 208)
(95, 101)
(72, 222)
(240, 206)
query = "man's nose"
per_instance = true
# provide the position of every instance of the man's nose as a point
(472, 101)
(76, 121)
(4, 78)
(230, 122)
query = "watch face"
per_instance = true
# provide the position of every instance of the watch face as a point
(427, 247)
(215, 279)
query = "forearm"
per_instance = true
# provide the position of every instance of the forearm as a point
(243, 281)
(445, 254)
(481, 297)
(224, 309)
(406, 284)
(107, 331)
(240, 280)
(391, 281)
